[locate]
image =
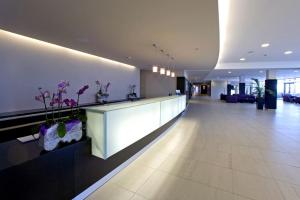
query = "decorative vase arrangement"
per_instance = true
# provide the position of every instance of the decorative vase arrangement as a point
(132, 95)
(102, 92)
(60, 129)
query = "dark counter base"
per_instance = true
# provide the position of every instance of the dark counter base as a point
(66, 172)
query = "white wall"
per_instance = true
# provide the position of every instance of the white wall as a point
(218, 87)
(27, 64)
(156, 85)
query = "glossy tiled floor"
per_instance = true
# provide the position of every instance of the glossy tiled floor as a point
(217, 151)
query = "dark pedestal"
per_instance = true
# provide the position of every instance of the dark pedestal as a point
(271, 94)
(242, 87)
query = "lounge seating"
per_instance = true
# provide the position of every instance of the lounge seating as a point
(231, 99)
(223, 97)
(289, 98)
(238, 98)
(243, 98)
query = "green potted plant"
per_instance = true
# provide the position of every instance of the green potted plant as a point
(259, 91)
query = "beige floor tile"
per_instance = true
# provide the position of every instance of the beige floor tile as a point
(178, 166)
(289, 191)
(255, 187)
(138, 197)
(132, 177)
(151, 158)
(246, 151)
(212, 175)
(281, 158)
(162, 186)
(218, 158)
(285, 173)
(222, 195)
(111, 192)
(252, 166)
(195, 191)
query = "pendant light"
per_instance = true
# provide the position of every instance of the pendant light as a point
(168, 72)
(154, 68)
(162, 71)
(173, 71)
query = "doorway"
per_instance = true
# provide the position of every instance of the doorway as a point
(204, 89)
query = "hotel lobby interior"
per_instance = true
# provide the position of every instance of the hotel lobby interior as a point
(150, 100)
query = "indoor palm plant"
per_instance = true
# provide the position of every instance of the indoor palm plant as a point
(58, 129)
(259, 91)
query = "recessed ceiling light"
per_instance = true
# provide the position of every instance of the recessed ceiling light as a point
(264, 45)
(229, 72)
(288, 52)
(296, 71)
(261, 71)
(242, 59)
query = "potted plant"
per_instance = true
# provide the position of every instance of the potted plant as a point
(102, 92)
(259, 91)
(132, 95)
(58, 129)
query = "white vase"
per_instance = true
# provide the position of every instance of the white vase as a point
(50, 139)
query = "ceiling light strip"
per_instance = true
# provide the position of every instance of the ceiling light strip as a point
(47, 44)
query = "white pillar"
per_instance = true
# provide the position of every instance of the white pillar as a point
(242, 79)
(270, 74)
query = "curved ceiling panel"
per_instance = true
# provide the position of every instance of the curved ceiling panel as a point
(250, 23)
(123, 30)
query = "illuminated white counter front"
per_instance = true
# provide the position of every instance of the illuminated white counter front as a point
(116, 126)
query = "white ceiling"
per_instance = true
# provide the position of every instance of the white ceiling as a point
(118, 29)
(249, 23)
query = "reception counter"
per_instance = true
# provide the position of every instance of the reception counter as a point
(114, 127)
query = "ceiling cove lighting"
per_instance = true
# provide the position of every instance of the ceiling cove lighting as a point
(34, 42)
(155, 69)
(224, 29)
(242, 59)
(288, 52)
(162, 71)
(264, 45)
(168, 72)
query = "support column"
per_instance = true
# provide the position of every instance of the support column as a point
(229, 88)
(271, 90)
(242, 85)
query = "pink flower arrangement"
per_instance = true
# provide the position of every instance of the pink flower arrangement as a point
(58, 101)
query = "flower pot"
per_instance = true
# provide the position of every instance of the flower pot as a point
(101, 97)
(260, 103)
(49, 138)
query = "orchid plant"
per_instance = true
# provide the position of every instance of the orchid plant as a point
(101, 88)
(57, 101)
(132, 89)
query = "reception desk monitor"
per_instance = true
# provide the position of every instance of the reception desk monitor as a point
(115, 127)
